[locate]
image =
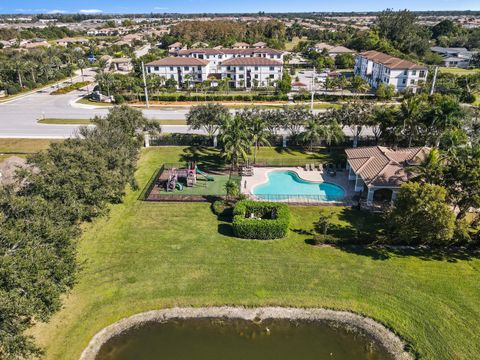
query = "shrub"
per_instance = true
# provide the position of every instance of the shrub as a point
(221, 207)
(269, 220)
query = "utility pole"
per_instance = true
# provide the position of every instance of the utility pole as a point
(432, 90)
(145, 85)
(313, 90)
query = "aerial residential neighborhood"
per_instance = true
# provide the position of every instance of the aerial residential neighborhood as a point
(258, 180)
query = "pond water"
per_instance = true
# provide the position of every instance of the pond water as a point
(283, 185)
(213, 339)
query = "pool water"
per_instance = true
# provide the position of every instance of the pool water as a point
(287, 184)
(235, 339)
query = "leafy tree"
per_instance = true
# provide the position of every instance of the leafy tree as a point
(344, 61)
(209, 117)
(445, 28)
(232, 189)
(385, 92)
(355, 115)
(420, 215)
(285, 85)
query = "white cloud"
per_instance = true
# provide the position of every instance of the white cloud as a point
(56, 11)
(160, 8)
(90, 11)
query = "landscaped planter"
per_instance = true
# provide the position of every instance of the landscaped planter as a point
(260, 220)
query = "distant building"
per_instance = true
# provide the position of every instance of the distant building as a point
(240, 45)
(251, 72)
(260, 45)
(454, 57)
(182, 70)
(68, 41)
(376, 68)
(122, 64)
(175, 47)
(36, 44)
(332, 50)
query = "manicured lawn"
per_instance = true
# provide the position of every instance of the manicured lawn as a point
(146, 256)
(458, 71)
(295, 41)
(25, 145)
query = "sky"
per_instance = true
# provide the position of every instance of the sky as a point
(206, 6)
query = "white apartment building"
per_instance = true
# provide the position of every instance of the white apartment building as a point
(217, 56)
(182, 70)
(252, 72)
(377, 68)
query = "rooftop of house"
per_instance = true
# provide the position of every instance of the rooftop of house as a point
(121, 60)
(384, 167)
(175, 45)
(442, 50)
(240, 44)
(251, 61)
(390, 61)
(221, 51)
(333, 48)
(178, 61)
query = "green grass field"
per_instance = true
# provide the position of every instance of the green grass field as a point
(146, 256)
(22, 147)
(458, 71)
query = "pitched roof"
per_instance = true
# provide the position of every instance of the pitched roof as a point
(176, 44)
(207, 51)
(178, 61)
(220, 51)
(391, 61)
(245, 61)
(238, 44)
(341, 49)
(383, 166)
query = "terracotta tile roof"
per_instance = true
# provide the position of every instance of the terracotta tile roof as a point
(246, 61)
(391, 61)
(382, 166)
(252, 51)
(207, 51)
(178, 61)
(175, 45)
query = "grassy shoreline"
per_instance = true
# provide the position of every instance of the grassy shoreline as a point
(147, 256)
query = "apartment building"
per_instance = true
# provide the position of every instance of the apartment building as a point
(251, 72)
(377, 68)
(182, 70)
(217, 56)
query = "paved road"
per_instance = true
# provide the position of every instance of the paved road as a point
(19, 116)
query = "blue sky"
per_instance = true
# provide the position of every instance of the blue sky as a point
(196, 6)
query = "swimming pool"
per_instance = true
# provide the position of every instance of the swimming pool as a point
(287, 185)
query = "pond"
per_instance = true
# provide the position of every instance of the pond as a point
(236, 339)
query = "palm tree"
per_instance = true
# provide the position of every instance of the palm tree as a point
(313, 132)
(430, 170)
(411, 112)
(236, 140)
(258, 128)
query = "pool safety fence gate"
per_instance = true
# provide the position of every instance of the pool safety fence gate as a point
(299, 199)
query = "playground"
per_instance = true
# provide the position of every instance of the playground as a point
(186, 182)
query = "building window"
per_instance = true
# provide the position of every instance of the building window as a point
(156, 68)
(171, 68)
(414, 72)
(172, 77)
(404, 81)
(272, 68)
(241, 68)
(272, 76)
(412, 82)
(186, 68)
(240, 76)
(199, 68)
(256, 76)
(422, 73)
(405, 72)
(256, 68)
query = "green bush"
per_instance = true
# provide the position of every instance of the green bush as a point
(269, 221)
(219, 207)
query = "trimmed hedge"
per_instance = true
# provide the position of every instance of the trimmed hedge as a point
(193, 97)
(261, 227)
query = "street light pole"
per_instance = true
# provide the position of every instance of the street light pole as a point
(432, 90)
(313, 90)
(145, 86)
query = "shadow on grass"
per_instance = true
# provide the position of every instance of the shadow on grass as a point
(208, 159)
(225, 229)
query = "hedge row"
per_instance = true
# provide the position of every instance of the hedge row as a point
(208, 97)
(259, 227)
(330, 97)
(70, 88)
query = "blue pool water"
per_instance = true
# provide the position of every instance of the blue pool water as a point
(287, 185)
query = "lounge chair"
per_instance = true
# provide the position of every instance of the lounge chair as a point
(312, 167)
(307, 167)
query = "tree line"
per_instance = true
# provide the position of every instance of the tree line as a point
(41, 216)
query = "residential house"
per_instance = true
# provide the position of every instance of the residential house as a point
(35, 44)
(182, 70)
(175, 48)
(259, 45)
(332, 50)
(68, 41)
(377, 68)
(248, 72)
(240, 45)
(454, 57)
(379, 171)
(122, 64)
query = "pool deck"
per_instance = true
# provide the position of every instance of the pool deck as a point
(260, 176)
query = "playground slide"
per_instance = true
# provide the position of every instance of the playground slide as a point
(205, 175)
(179, 186)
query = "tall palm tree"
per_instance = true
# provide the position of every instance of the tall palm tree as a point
(313, 132)
(258, 128)
(411, 111)
(236, 140)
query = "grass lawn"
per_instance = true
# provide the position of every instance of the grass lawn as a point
(146, 256)
(458, 71)
(295, 41)
(22, 147)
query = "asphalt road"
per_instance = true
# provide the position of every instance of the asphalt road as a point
(19, 116)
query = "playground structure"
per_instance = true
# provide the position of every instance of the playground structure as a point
(177, 178)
